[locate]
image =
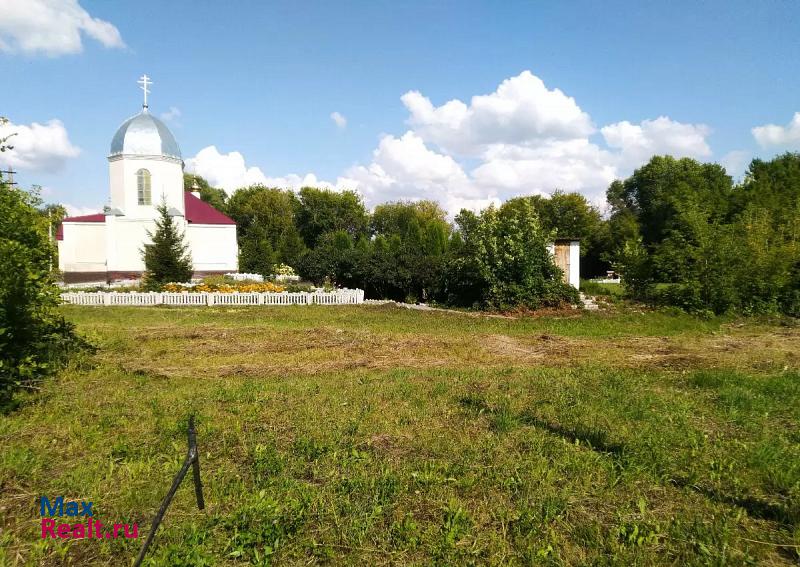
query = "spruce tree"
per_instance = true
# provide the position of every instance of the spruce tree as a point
(166, 258)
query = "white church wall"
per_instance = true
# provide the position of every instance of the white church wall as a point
(83, 247)
(126, 239)
(213, 247)
(166, 180)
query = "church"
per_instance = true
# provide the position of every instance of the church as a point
(145, 170)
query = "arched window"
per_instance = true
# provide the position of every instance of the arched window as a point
(143, 184)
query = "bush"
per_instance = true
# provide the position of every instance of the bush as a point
(35, 340)
(300, 288)
(505, 262)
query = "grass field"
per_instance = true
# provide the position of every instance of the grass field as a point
(378, 436)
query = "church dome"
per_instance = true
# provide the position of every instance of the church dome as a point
(144, 135)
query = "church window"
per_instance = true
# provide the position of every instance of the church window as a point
(143, 184)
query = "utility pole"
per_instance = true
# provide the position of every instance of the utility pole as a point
(50, 235)
(9, 174)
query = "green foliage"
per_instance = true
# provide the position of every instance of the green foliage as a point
(774, 186)
(332, 258)
(299, 287)
(266, 228)
(505, 259)
(256, 255)
(35, 340)
(571, 216)
(321, 211)
(403, 261)
(610, 290)
(4, 145)
(656, 191)
(692, 240)
(166, 258)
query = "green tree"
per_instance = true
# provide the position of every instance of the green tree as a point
(712, 247)
(166, 258)
(416, 235)
(266, 228)
(772, 185)
(35, 340)
(320, 211)
(256, 255)
(655, 192)
(332, 259)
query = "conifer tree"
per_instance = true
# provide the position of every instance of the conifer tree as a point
(166, 258)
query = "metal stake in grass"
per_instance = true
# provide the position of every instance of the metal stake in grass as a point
(192, 459)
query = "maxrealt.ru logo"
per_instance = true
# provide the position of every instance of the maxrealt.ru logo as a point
(92, 528)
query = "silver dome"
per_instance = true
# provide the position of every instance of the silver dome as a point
(144, 135)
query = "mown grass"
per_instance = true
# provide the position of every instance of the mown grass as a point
(378, 435)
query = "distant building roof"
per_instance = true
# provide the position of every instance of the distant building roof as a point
(200, 212)
(197, 212)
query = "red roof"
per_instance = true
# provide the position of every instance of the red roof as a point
(197, 212)
(200, 212)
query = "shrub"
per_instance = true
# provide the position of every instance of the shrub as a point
(505, 261)
(35, 340)
(300, 288)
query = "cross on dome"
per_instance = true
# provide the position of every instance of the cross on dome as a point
(145, 81)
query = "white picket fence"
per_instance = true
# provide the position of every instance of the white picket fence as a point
(338, 297)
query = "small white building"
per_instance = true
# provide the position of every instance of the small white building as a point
(567, 256)
(145, 169)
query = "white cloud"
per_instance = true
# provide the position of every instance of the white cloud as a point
(736, 162)
(571, 165)
(227, 171)
(774, 135)
(51, 27)
(172, 115)
(639, 142)
(406, 169)
(522, 139)
(339, 119)
(230, 172)
(37, 147)
(521, 111)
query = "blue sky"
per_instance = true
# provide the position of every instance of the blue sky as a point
(608, 84)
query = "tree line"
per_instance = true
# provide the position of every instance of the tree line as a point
(685, 234)
(407, 251)
(680, 232)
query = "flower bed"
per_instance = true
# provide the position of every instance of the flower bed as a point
(233, 287)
